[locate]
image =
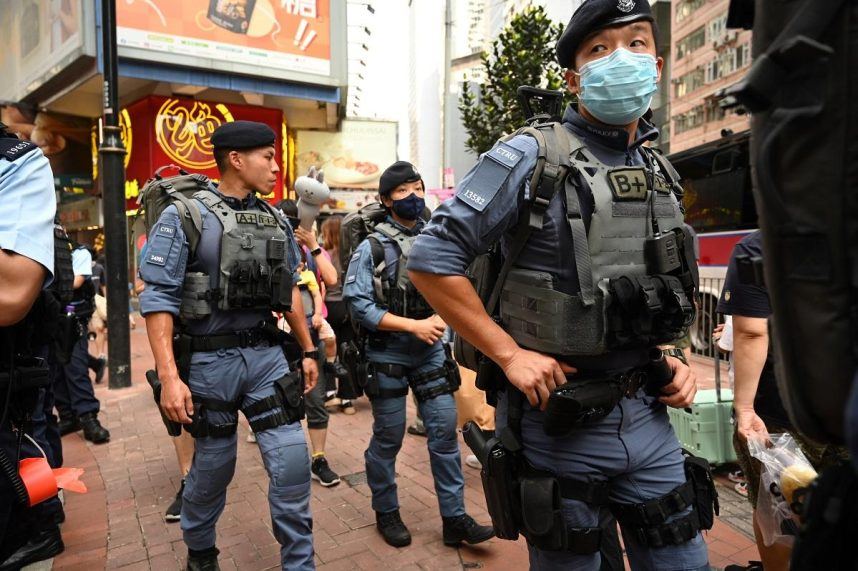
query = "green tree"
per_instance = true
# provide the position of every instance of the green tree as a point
(523, 54)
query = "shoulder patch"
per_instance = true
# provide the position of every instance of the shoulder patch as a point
(490, 176)
(13, 149)
(157, 259)
(505, 155)
(166, 230)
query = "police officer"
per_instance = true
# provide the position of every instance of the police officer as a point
(73, 393)
(404, 348)
(568, 355)
(223, 292)
(27, 208)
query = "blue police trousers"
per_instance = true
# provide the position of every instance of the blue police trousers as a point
(248, 373)
(636, 450)
(388, 430)
(73, 392)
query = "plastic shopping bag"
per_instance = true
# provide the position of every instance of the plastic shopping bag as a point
(784, 478)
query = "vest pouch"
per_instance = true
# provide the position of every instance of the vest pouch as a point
(249, 283)
(706, 505)
(291, 391)
(281, 288)
(275, 250)
(578, 403)
(541, 512)
(540, 318)
(196, 296)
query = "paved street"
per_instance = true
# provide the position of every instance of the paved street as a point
(119, 524)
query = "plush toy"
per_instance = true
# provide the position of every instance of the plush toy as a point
(312, 193)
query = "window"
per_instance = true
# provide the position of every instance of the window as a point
(688, 82)
(713, 111)
(717, 28)
(691, 42)
(688, 120)
(743, 56)
(685, 8)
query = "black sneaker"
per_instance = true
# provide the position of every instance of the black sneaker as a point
(464, 528)
(45, 545)
(205, 560)
(92, 429)
(392, 529)
(322, 473)
(174, 512)
(99, 369)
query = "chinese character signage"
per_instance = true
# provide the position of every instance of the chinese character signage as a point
(162, 131)
(272, 36)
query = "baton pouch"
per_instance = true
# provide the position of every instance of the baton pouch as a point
(541, 513)
(706, 505)
(291, 391)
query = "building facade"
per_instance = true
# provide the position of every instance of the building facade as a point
(706, 57)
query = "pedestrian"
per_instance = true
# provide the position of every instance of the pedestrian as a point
(73, 393)
(570, 337)
(27, 266)
(229, 350)
(404, 349)
(759, 409)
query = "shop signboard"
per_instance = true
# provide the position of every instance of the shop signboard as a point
(159, 131)
(81, 214)
(301, 40)
(354, 157)
(40, 39)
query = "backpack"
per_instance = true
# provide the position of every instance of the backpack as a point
(159, 192)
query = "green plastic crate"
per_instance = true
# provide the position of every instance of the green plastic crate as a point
(706, 429)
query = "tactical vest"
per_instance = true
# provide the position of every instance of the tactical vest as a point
(636, 284)
(253, 268)
(63, 284)
(394, 288)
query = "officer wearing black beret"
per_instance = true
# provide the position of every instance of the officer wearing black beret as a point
(570, 344)
(221, 294)
(398, 173)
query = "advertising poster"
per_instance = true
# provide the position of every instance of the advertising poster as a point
(355, 157)
(64, 139)
(291, 35)
(39, 37)
(159, 131)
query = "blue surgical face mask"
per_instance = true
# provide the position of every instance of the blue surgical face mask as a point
(618, 89)
(410, 207)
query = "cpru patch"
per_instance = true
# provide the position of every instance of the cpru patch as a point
(628, 183)
(13, 149)
(490, 176)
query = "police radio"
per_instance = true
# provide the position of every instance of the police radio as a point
(661, 251)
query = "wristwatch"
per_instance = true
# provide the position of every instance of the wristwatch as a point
(314, 354)
(316, 252)
(675, 352)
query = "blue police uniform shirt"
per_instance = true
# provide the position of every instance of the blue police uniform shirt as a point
(487, 203)
(165, 261)
(358, 289)
(28, 205)
(82, 262)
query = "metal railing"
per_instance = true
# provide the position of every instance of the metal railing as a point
(707, 317)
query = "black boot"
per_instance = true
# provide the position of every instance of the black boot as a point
(92, 429)
(68, 424)
(45, 545)
(392, 529)
(464, 528)
(205, 560)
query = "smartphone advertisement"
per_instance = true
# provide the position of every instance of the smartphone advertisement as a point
(272, 35)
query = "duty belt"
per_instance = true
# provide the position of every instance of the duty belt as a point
(246, 338)
(31, 374)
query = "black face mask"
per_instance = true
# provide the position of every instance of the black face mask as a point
(409, 208)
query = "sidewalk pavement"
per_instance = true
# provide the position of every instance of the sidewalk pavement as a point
(119, 523)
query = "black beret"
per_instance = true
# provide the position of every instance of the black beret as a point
(242, 135)
(396, 174)
(592, 16)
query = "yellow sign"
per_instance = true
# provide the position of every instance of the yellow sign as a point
(183, 129)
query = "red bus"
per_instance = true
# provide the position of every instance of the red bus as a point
(720, 207)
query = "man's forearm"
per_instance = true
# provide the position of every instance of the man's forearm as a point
(390, 322)
(750, 349)
(456, 301)
(297, 322)
(159, 328)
